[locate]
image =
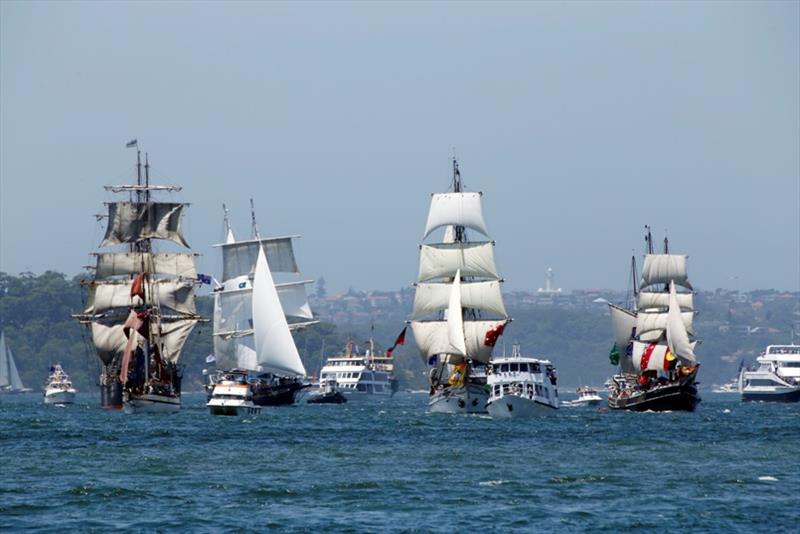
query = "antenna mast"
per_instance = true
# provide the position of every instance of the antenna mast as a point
(253, 219)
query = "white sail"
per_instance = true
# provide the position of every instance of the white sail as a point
(661, 268)
(444, 259)
(455, 319)
(239, 258)
(623, 323)
(459, 209)
(127, 263)
(130, 222)
(13, 374)
(657, 322)
(650, 300)
(177, 296)
(233, 312)
(677, 333)
(108, 341)
(449, 234)
(173, 336)
(482, 295)
(4, 378)
(294, 299)
(274, 345)
(433, 338)
(650, 356)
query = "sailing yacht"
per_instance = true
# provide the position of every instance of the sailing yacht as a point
(777, 378)
(254, 317)
(457, 288)
(10, 382)
(141, 308)
(657, 364)
(58, 389)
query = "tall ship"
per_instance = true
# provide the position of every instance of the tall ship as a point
(140, 307)
(10, 381)
(254, 316)
(777, 377)
(458, 311)
(360, 375)
(58, 389)
(653, 338)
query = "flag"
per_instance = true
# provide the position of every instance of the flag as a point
(492, 334)
(132, 143)
(211, 358)
(203, 278)
(613, 356)
(401, 339)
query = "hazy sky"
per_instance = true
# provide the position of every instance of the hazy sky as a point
(580, 122)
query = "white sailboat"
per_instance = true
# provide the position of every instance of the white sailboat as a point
(457, 288)
(10, 382)
(141, 308)
(252, 314)
(657, 363)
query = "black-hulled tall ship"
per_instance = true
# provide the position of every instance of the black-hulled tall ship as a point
(253, 319)
(140, 307)
(655, 353)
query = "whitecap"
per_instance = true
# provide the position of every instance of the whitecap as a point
(768, 479)
(492, 482)
(726, 411)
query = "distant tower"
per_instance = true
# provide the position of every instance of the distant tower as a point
(321, 291)
(548, 284)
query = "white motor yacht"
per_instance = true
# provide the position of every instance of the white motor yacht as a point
(777, 378)
(521, 386)
(58, 389)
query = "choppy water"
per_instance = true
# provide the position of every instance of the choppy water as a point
(389, 466)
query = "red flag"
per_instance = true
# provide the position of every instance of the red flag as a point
(139, 323)
(137, 288)
(648, 352)
(401, 339)
(492, 334)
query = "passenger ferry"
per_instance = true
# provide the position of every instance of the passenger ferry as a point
(368, 375)
(521, 386)
(777, 378)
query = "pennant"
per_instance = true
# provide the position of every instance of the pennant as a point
(132, 143)
(613, 356)
(137, 288)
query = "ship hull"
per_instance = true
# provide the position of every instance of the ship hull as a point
(788, 394)
(59, 397)
(233, 408)
(674, 397)
(152, 403)
(515, 407)
(280, 395)
(111, 395)
(328, 398)
(464, 400)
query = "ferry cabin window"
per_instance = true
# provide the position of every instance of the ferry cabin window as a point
(514, 367)
(758, 382)
(503, 367)
(523, 368)
(505, 389)
(790, 364)
(535, 368)
(497, 390)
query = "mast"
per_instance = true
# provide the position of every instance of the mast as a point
(634, 281)
(254, 227)
(457, 188)
(648, 239)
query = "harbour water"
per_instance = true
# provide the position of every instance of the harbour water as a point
(387, 465)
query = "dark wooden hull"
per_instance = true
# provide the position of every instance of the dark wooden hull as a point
(276, 395)
(329, 398)
(672, 397)
(111, 395)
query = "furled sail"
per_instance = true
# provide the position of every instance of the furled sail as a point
(661, 268)
(433, 338)
(274, 345)
(455, 319)
(130, 222)
(481, 295)
(650, 300)
(677, 333)
(177, 296)
(239, 259)
(623, 323)
(459, 209)
(444, 259)
(112, 264)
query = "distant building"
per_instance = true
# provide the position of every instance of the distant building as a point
(548, 289)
